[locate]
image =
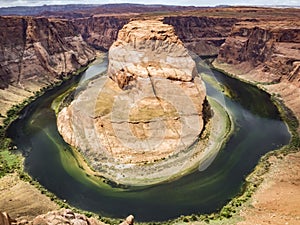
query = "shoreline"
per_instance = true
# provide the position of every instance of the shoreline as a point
(244, 193)
(269, 88)
(237, 206)
(199, 154)
(288, 115)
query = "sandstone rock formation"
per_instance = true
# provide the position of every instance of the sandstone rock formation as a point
(267, 53)
(36, 52)
(200, 34)
(151, 108)
(59, 217)
(149, 49)
(151, 63)
(55, 47)
(100, 31)
(63, 216)
(5, 219)
(128, 221)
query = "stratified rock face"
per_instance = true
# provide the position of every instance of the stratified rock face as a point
(35, 52)
(266, 52)
(100, 31)
(149, 110)
(202, 35)
(40, 49)
(271, 48)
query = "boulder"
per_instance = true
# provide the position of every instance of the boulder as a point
(5, 219)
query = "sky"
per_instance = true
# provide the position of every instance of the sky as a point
(9, 3)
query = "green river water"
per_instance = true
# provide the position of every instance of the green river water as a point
(48, 159)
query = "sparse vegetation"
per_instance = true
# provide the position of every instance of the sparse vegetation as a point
(293, 124)
(9, 162)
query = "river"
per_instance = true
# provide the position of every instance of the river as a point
(49, 160)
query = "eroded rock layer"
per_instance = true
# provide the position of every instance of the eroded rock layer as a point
(149, 109)
(100, 31)
(200, 34)
(267, 53)
(54, 47)
(36, 52)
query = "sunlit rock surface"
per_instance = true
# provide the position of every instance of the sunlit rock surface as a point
(148, 110)
(267, 53)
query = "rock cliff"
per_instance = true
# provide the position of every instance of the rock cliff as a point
(36, 52)
(149, 49)
(100, 31)
(267, 53)
(200, 34)
(149, 110)
(54, 47)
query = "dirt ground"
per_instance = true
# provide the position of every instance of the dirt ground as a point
(22, 200)
(277, 200)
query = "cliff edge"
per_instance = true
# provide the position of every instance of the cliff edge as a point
(37, 52)
(268, 54)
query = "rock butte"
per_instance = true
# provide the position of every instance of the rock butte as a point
(149, 109)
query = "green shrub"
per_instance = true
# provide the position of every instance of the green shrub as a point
(185, 219)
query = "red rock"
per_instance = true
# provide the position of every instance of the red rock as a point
(5, 219)
(200, 34)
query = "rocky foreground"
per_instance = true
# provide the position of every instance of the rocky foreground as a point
(59, 217)
(149, 109)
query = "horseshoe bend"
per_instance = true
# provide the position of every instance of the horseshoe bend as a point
(149, 120)
(142, 122)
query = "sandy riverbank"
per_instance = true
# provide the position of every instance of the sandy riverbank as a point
(286, 91)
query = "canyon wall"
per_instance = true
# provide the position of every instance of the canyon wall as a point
(266, 53)
(36, 52)
(200, 34)
(101, 31)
